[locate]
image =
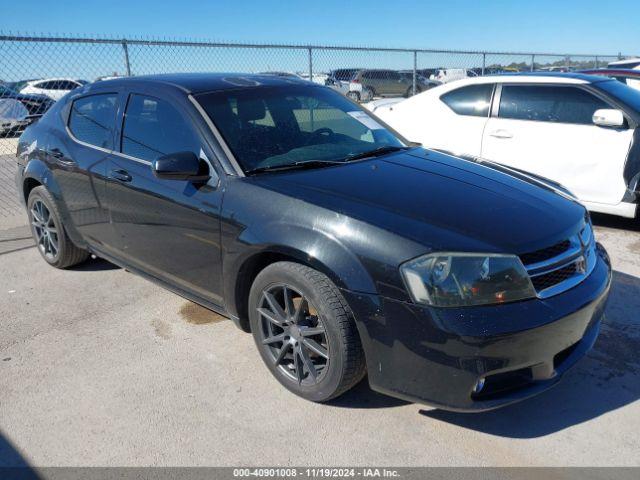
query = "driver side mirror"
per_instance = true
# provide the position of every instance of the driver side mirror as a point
(608, 117)
(181, 166)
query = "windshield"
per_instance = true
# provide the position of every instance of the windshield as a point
(269, 127)
(626, 94)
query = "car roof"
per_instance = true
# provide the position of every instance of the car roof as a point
(617, 72)
(533, 77)
(556, 76)
(194, 83)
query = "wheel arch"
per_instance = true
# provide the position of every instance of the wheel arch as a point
(36, 173)
(312, 249)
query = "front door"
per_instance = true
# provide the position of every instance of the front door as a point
(548, 130)
(169, 229)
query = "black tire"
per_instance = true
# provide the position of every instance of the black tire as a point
(52, 240)
(355, 96)
(409, 92)
(369, 93)
(327, 311)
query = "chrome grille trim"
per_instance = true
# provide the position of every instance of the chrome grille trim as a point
(581, 253)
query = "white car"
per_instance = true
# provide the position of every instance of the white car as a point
(446, 75)
(577, 130)
(54, 88)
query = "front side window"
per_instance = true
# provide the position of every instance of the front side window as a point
(281, 126)
(153, 128)
(543, 103)
(92, 119)
(472, 100)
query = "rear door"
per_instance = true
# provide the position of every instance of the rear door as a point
(459, 128)
(79, 156)
(548, 130)
(169, 229)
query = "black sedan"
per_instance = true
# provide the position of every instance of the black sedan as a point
(344, 249)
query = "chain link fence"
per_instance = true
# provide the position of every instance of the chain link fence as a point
(36, 71)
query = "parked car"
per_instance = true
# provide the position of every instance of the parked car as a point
(629, 77)
(421, 81)
(630, 63)
(286, 207)
(35, 105)
(575, 129)
(339, 79)
(54, 88)
(367, 84)
(446, 75)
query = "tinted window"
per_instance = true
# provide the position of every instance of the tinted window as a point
(549, 104)
(277, 126)
(92, 119)
(65, 85)
(472, 100)
(153, 128)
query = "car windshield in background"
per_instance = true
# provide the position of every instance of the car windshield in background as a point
(626, 94)
(272, 128)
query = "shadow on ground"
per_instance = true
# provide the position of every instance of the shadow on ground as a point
(361, 396)
(94, 265)
(13, 465)
(619, 223)
(608, 378)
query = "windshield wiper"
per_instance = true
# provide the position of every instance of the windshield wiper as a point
(296, 166)
(376, 152)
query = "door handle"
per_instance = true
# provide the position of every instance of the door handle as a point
(501, 134)
(120, 175)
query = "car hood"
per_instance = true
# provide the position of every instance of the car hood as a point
(439, 201)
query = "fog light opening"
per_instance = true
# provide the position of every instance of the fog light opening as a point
(479, 385)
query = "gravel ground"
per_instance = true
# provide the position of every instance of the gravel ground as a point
(100, 367)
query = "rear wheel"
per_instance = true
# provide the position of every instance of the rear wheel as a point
(305, 332)
(46, 227)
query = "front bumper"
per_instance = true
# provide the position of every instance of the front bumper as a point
(437, 356)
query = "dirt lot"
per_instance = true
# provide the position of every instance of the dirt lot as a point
(100, 367)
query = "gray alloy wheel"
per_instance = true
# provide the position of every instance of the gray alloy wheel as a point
(305, 332)
(293, 334)
(48, 232)
(45, 230)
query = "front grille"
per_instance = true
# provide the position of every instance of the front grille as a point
(545, 253)
(563, 265)
(542, 282)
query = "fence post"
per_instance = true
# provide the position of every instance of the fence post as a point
(125, 49)
(597, 62)
(484, 62)
(310, 50)
(415, 70)
(533, 62)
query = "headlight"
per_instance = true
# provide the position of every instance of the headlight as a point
(464, 279)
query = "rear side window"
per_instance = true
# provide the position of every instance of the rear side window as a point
(92, 119)
(549, 104)
(153, 128)
(473, 100)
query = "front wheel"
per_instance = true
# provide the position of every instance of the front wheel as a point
(305, 332)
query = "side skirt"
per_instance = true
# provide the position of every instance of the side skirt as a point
(220, 310)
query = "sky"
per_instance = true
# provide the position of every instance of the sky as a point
(558, 26)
